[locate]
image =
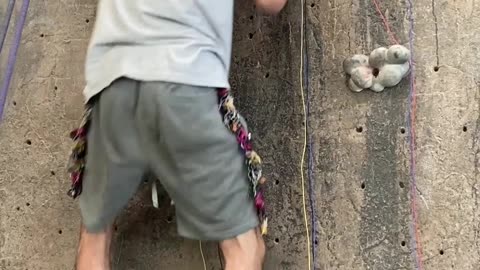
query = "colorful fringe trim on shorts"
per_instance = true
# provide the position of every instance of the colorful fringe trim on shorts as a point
(76, 166)
(231, 119)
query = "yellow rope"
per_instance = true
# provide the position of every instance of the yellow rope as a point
(302, 162)
(203, 257)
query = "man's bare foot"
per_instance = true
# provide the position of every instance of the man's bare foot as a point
(94, 250)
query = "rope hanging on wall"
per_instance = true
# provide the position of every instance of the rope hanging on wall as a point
(12, 57)
(6, 23)
(410, 119)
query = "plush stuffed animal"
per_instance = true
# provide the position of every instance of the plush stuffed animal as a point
(384, 68)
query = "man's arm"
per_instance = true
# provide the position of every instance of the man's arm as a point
(270, 6)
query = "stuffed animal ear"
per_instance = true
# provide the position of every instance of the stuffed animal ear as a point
(378, 57)
(353, 62)
(398, 54)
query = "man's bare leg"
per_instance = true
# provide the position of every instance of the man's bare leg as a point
(94, 250)
(244, 252)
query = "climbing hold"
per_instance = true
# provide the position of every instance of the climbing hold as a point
(383, 68)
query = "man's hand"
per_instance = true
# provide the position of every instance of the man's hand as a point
(270, 6)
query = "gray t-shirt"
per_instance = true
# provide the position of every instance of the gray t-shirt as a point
(179, 41)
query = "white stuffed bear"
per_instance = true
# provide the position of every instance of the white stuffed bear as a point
(384, 68)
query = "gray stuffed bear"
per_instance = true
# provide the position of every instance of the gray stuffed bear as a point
(383, 68)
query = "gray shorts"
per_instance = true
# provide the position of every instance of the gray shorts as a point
(175, 132)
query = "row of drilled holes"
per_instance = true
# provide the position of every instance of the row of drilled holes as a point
(86, 21)
(359, 129)
(403, 244)
(400, 184)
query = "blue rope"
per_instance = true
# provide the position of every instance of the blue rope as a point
(12, 57)
(6, 23)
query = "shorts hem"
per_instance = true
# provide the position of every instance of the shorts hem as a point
(222, 235)
(97, 227)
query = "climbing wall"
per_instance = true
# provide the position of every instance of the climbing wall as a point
(358, 167)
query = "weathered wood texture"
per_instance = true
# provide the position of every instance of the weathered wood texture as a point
(360, 150)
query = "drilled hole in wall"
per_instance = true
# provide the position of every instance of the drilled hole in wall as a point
(403, 243)
(277, 240)
(169, 219)
(441, 252)
(27, 204)
(465, 129)
(362, 186)
(401, 184)
(42, 35)
(52, 172)
(87, 20)
(312, 5)
(251, 18)
(402, 130)
(250, 35)
(359, 129)
(60, 232)
(18, 208)
(14, 103)
(436, 68)
(29, 142)
(56, 87)
(267, 75)
(277, 182)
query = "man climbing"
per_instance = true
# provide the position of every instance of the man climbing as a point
(156, 101)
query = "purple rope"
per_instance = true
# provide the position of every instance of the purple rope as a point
(12, 57)
(411, 140)
(6, 23)
(312, 200)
